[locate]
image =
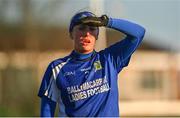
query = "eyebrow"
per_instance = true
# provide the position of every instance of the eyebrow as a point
(82, 25)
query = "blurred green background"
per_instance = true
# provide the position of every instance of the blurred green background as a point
(35, 32)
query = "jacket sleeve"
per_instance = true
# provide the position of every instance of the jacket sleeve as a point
(121, 51)
(47, 107)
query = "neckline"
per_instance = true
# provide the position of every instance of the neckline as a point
(82, 57)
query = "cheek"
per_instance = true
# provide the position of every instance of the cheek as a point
(78, 35)
(75, 34)
(95, 34)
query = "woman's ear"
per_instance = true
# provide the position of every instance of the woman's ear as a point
(97, 34)
(70, 35)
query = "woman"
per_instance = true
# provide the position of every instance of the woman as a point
(84, 83)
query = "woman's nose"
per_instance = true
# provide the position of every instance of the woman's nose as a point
(86, 33)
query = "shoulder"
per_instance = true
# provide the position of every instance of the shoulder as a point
(59, 61)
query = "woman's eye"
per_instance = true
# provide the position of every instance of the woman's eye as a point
(81, 28)
(84, 28)
(92, 28)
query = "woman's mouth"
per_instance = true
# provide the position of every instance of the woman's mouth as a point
(85, 41)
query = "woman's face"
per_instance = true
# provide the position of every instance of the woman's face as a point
(84, 37)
